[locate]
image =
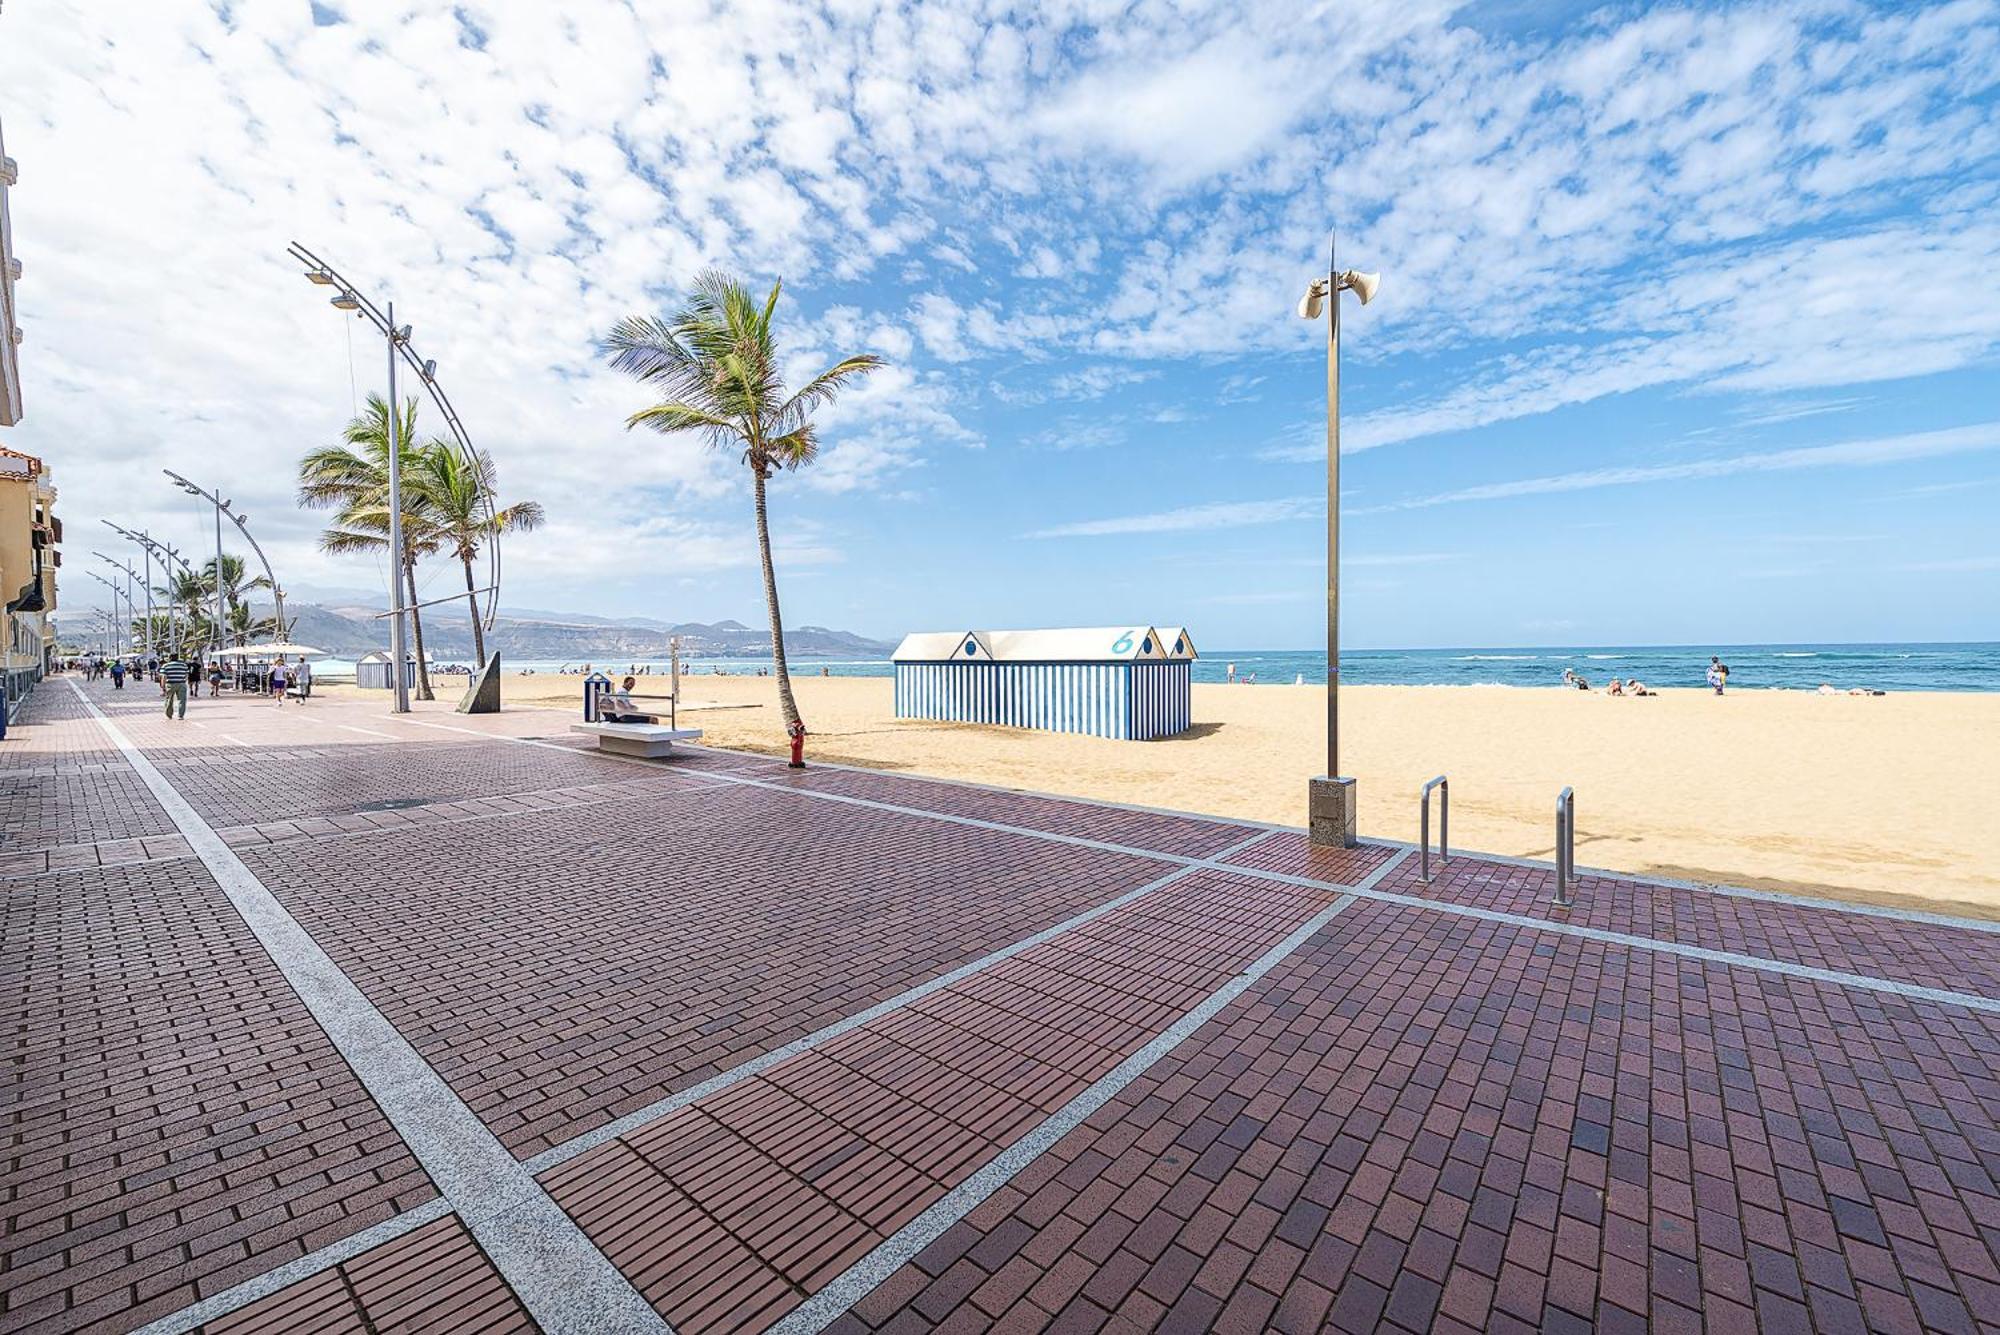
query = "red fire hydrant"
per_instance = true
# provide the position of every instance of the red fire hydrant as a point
(798, 732)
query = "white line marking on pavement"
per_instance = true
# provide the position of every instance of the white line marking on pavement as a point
(233, 1299)
(1786, 967)
(560, 1276)
(1767, 965)
(233, 741)
(590, 1140)
(366, 732)
(860, 1279)
(1728, 891)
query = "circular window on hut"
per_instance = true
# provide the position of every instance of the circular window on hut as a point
(971, 648)
(1146, 645)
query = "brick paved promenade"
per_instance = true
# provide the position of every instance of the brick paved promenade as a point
(322, 1020)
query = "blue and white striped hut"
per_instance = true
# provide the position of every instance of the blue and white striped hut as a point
(1129, 682)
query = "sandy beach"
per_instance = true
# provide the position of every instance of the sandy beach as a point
(1888, 798)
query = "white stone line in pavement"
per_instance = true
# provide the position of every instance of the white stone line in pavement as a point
(1728, 891)
(949, 818)
(237, 1297)
(1435, 905)
(590, 1140)
(560, 1276)
(233, 741)
(860, 1279)
(1969, 1000)
(1139, 808)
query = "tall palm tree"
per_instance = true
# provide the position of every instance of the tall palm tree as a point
(235, 588)
(353, 478)
(715, 365)
(457, 493)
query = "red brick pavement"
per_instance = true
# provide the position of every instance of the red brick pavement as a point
(561, 969)
(729, 1212)
(1189, 836)
(177, 1122)
(1420, 1121)
(1433, 1123)
(433, 1281)
(1961, 959)
(242, 786)
(1291, 853)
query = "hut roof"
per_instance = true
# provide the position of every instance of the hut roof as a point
(939, 646)
(1178, 643)
(1088, 644)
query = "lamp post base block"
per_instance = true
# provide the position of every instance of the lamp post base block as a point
(1331, 805)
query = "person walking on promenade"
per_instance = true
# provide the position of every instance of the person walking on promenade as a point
(174, 684)
(302, 676)
(278, 682)
(117, 674)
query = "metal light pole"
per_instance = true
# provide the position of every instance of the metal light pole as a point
(398, 659)
(146, 549)
(1331, 799)
(349, 297)
(117, 641)
(132, 603)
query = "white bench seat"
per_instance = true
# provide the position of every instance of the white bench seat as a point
(636, 739)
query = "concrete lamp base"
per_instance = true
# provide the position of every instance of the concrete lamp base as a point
(1330, 812)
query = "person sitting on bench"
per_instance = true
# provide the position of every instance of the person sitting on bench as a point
(617, 707)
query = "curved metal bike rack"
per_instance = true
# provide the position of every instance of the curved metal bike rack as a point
(1443, 787)
(1565, 848)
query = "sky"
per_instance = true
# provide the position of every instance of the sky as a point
(1687, 330)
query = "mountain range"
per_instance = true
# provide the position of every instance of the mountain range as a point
(348, 629)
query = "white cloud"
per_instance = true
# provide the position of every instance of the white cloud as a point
(1189, 519)
(1772, 199)
(1848, 454)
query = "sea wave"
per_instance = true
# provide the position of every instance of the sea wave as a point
(1496, 658)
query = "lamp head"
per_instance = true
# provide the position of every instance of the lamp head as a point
(1314, 301)
(320, 277)
(1362, 285)
(430, 370)
(347, 301)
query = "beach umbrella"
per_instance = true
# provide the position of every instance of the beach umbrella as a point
(283, 647)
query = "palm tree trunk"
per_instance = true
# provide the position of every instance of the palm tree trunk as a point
(472, 602)
(417, 627)
(785, 700)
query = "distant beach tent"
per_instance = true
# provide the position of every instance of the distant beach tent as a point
(1128, 682)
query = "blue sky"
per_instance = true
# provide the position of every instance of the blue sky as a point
(1687, 330)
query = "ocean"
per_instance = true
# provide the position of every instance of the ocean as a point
(1882, 667)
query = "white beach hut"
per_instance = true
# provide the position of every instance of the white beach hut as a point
(1109, 681)
(371, 671)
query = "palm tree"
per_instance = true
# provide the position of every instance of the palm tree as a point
(715, 364)
(457, 492)
(236, 607)
(354, 478)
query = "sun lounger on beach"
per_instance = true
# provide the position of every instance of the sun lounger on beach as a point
(636, 739)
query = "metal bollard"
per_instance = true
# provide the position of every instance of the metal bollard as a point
(1565, 847)
(1444, 825)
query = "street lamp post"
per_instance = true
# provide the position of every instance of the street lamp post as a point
(146, 549)
(1331, 799)
(349, 297)
(117, 640)
(131, 603)
(223, 507)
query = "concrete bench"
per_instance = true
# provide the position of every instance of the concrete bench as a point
(636, 739)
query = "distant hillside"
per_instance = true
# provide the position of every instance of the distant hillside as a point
(350, 630)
